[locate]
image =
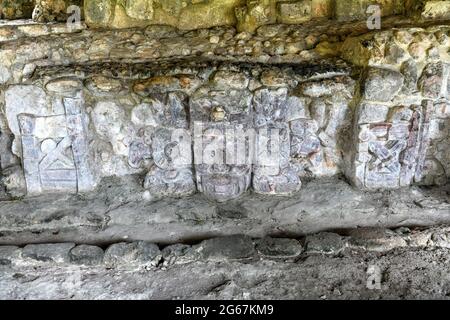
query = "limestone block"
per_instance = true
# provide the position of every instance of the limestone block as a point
(304, 146)
(207, 14)
(432, 80)
(316, 89)
(140, 152)
(272, 171)
(236, 105)
(179, 182)
(285, 183)
(255, 14)
(227, 248)
(307, 144)
(110, 123)
(279, 248)
(222, 175)
(224, 79)
(325, 243)
(348, 10)
(393, 151)
(270, 106)
(372, 113)
(294, 11)
(64, 86)
(57, 253)
(9, 255)
(168, 110)
(55, 10)
(55, 151)
(142, 115)
(171, 151)
(98, 13)
(322, 8)
(140, 9)
(436, 10)
(28, 99)
(180, 14)
(381, 84)
(86, 255)
(104, 86)
(374, 239)
(410, 73)
(16, 9)
(297, 108)
(139, 253)
(14, 181)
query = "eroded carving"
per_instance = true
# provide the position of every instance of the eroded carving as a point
(55, 151)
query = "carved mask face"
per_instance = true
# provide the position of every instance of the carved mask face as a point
(218, 176)
(223, 182)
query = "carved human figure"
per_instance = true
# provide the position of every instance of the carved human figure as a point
(171, 150)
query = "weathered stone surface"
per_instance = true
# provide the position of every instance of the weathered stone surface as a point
(406, 273)
(409, 71)
(436, 10)
(14, 180)
(358, 9)
(294, 11)
(56, 159)
(108, 101)
(9, 255)
(232, 247)
(325, 243)
(86, 255)
(255, 14)
(55, 10)
(247, 15)
(64, 86)
(139, 253)
(160, 182)
(279, 248)
(16, 9)
(117, 211)
(375, 239)
(381, 84)
(431, 81)
(98, 13)
(178, 254)
(140, 9)
(50, 253)
(270, 106)
(372, 113)
(230, 80)
(19, 99)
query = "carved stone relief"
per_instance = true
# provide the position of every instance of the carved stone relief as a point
(55, 151)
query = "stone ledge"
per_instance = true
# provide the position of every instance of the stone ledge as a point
(141, 254)
(118, 212)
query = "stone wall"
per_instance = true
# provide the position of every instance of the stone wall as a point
(125, 119)
(249, 15)
(403, 113)
(79, 105)
(246, 15)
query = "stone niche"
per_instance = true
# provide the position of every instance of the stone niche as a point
(73, 127)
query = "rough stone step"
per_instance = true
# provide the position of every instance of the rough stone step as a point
(141, 254)
(362, 263)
